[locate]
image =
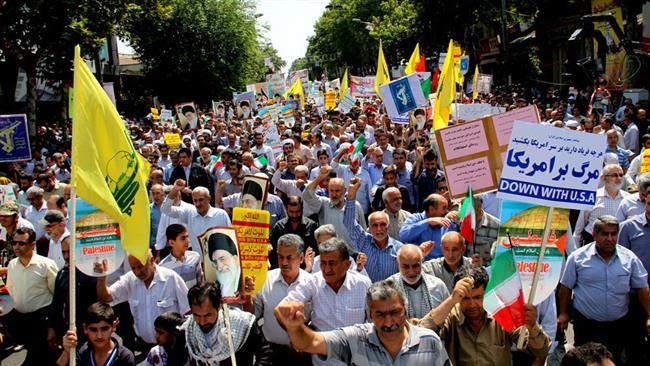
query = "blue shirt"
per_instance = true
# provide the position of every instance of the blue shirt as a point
(382, 263)
(376, 172)
(417, 230)
(601, 289)
(635, 235)
(622, 155)
(155, 220)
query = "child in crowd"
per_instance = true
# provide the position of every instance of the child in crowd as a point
(101, 348)
(169, 350)
(186, 263)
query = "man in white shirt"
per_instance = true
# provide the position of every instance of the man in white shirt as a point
(36, 210)
(54, 223)
(151, 290)
(261, 149)
(337, 295)
(279, 282)
(608, 199)
(198, 218)
(631, 135)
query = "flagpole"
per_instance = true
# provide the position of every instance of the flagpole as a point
(524, 333)
(72, 284)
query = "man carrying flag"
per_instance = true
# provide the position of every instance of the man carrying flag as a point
(106, 170)
(355, 152)
(465, 327)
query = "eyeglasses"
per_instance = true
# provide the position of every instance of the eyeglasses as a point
(21, 243)
(618, 175)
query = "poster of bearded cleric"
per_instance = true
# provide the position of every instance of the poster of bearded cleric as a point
(222, 262)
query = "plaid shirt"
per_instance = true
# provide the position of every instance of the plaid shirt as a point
(486, 234)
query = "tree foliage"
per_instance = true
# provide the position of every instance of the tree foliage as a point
(198, 49)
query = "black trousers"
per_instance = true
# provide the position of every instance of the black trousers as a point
(30, 330)
(285, 355)
(614, 334)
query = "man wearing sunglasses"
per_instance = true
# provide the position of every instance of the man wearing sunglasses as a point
(30, 281)
(608, 198)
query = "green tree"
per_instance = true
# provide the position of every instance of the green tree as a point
(39, 36)
(198, 49)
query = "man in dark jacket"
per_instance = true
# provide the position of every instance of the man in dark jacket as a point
(207, 343)
(193, 174)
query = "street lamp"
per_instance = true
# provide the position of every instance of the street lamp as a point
(369, 26)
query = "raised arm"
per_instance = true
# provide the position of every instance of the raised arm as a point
(291, 315)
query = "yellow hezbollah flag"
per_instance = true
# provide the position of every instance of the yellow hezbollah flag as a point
(474, 82)
(411, 67)
(296, 88)
(106, 169)
(382, 76)
(344, 85)
(446, 91)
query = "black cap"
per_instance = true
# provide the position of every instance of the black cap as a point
(221, 241)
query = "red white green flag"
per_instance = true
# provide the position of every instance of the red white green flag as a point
(504, 298)
(355, 150)
(467, 215)
(260, 162)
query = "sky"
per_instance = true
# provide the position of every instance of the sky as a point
(290, 22)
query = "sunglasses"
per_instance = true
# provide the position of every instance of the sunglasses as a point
(21, 243)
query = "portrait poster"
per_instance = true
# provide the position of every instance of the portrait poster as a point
(222, 262)
(253, 233)
(14, 138)
(98, 247)
(186, 115)
(254, 192)
(525, 222)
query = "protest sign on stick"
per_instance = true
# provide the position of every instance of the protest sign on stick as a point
(253, 233)
(222, 262)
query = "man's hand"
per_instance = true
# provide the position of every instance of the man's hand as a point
(355, 184)
(477, 260)
(463, 288)
(309, 259)
(221, 185)
(69, 340)
(324, 172)
(362, 259)
(439, 221)
(563, 321)
(249, 284)
(282, 165)
(291, 314)
(531, 316)
(427, 247)
(101, 267)
(300, 183)
(452, 215)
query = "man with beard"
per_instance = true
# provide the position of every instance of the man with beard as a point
(466, 328)
(608, 199)
(150, 291)
(424, 292)
(392, 198)
(294, 223)
(206, 332)
(389, 340)
(425, 175)
(335, 293)
(278, 283)
(261, 149)
(330, 209)
(225, 262)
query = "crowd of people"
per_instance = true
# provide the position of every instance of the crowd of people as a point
(367, 265)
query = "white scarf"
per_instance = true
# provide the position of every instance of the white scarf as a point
(212, 348)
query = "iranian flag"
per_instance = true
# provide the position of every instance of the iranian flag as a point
(504, 298)
(468, 217)
(355, 150)
(260, 162)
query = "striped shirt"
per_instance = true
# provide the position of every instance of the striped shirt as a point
(382, 263)
(605, 205)
(630, 206)
(329, 309)
(189, 268)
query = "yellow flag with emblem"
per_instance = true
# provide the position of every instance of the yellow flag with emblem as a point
(296, 89)
(474, 84)
(412, 66)
(382, 77)
(446, 91)
(106, 169)
(344, 85)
